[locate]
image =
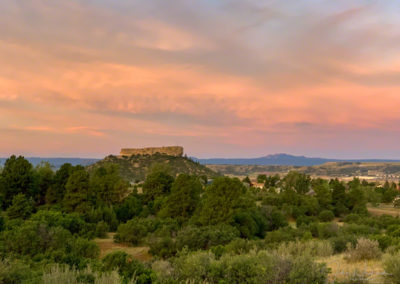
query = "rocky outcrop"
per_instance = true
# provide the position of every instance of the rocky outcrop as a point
(176, 151)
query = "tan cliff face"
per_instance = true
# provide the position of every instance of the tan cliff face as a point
(171, 151)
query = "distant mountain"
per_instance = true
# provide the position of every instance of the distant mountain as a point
(135, 167)
(57, 162)
(281, 160)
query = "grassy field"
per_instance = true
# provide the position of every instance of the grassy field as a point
(370, 270)
(107, 246)
(384, 209)
(371, 171)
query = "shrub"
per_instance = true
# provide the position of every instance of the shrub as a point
(134, 230)
(84, 248)
(328, 230)
(391, 264)
(339, 243)
(282, 235)
(101, 229)
(365, 249)
(127, 267)
(352, 218)
(65, 274)
(304, 270)
(163, 247)
(361, 230)
(239, 246)
(326, 216)
(385, 241)
(304, 220)
(72, 222)
(13, 271)
(252, 267)
(195, 238)
(313, 248)
(106, 214)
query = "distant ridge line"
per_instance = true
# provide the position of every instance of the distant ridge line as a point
(285, 160)
(269, 160)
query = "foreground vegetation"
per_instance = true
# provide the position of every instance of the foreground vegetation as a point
(55, 228)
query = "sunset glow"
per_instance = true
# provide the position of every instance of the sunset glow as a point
(221, 78)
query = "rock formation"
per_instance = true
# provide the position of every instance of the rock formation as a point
(171, 151)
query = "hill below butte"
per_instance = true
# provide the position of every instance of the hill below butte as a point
(135, 167)
(283, 160)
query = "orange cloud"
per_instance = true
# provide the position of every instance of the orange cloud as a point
(248, 78)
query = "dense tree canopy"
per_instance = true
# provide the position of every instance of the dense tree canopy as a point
(196, 230)
(17, 177)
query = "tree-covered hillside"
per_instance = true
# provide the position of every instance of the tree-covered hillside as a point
(134, 168)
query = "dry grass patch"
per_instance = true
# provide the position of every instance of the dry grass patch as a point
(342, 270)
(384, 209)
(107, 246)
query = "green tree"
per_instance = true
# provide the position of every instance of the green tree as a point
(339, 197)
(356, 197)
(44, 181)
(389, 192)
(184, 197)
(17, 177)
(21, 207)
(323, 193)
(261, 178)
(272, 181)
(77, 192)
(247, 180)
(158, 183)
(129, 208)
(296, 181)
(107, 185)
(55, 193)
(221, 199)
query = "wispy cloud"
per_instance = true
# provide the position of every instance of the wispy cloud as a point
(239, 73)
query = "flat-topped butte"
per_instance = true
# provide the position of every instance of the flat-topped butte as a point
(176, 151)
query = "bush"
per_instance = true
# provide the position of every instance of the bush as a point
(352, 218)
(313, 248)
(328, 230)
(391, 264)
(360, 230)
(239, 246)
(134, 230)
(127, 267)
(195, 238)
(13, 271)
(303, 220)
(304, 270)
(282, 235)
(64, 274)
(365, 249)
(340, 243)
(72, 222)
(163, 247)
(101, 229)
(326, 216)
(252, 267)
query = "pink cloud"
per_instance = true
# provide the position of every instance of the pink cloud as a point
(271, 78)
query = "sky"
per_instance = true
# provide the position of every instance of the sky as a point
(84, 78)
